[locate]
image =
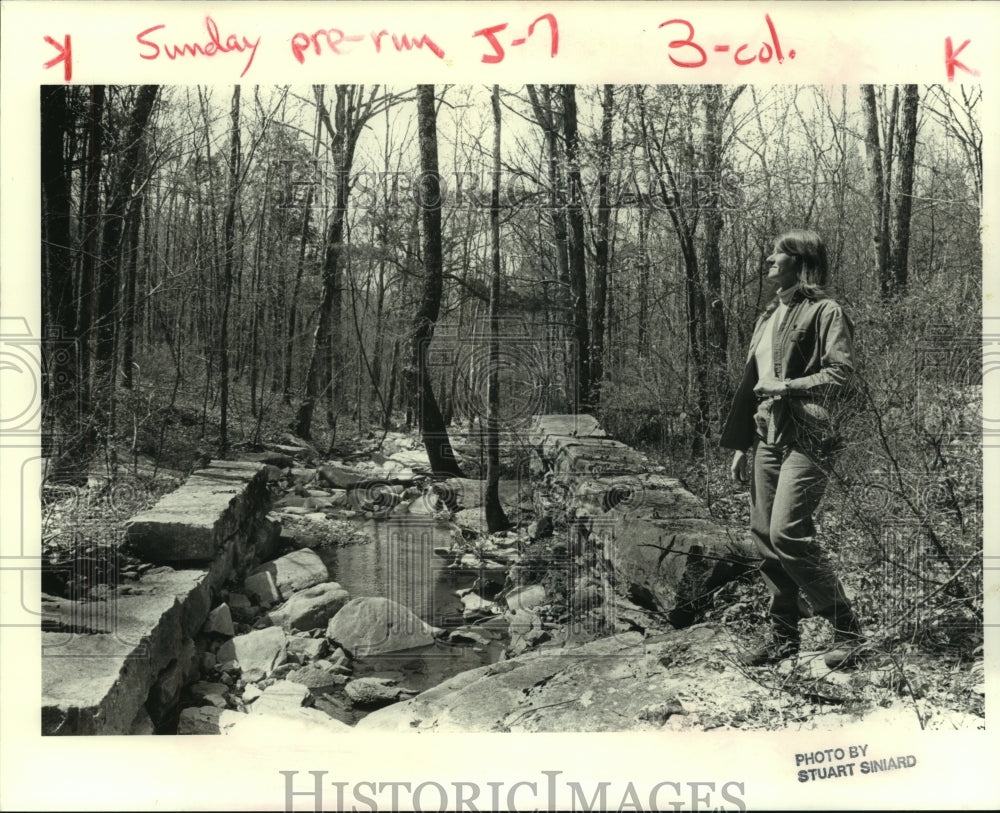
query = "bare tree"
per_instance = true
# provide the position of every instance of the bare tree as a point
(496, 519)
(432, 427)
(904, 193)
(229, 260)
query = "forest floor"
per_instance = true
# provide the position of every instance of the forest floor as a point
(941, 684)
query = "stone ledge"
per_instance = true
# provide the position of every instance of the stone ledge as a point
(193, 523)
(97, 682)
(101, 658)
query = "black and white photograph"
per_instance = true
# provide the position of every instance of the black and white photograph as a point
(636, 414)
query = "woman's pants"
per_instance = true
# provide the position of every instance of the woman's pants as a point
(785, 491)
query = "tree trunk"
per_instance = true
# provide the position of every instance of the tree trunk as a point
(602, 249)
(904, 191)
(577, 256)
(547, 119)
(62, 382)
(873, 150)
(717, 334)
(343, 132)
(645, 215)
(496, 519)
(114, 222)
(131, 272)
(432, 426)
(229, 262)
(91, 246)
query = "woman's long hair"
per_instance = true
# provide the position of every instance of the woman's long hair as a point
(809, 251)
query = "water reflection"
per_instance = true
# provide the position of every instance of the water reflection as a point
(399, 563)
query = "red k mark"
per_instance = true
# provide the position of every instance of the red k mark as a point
(65, 56)
(951, 59)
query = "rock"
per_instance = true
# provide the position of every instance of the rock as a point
(372, 625)
(200, 720)
(220, 622)
(262, 587)
(519, 622)
(252, 692)
(541, 529)
(142, 724)
(281, 696)
(676, 564)
(605, 685)
(307, 649)
(581, 425)
(166, 692)
(412, 458)
(526, 598)
(95, 679)
(488, 587)
(265, 539)
(374, 692)
(302, 477)
(296, 447)
(470, 561)
(261, 649)
(310, 608)
(280, 672)
(465, 635)
(294, 571)
(340, 661)
(475, 606)
(319, 677)
(197, 521)
(585, 598)
(472, 519)
(287, 725)
(339, 477)
(240, 608)
(207, 662)
(203, 689)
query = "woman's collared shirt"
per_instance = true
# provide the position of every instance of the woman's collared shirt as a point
(812, 351)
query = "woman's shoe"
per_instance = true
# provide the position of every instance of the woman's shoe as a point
(776, 649)
(848, 644)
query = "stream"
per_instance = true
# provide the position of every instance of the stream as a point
(398, 562)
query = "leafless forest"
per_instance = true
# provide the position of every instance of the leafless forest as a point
(224, 266)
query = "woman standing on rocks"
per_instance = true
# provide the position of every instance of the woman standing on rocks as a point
(800, 360)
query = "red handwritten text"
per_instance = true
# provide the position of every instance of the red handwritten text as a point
(498, 52)
(338, 42)
(950, 59)
(65, 55)
(698, 56)
(213, 47)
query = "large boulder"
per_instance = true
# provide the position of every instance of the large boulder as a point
(294, 571)
(685, 678)
(673, 565)
(310, 608)
(373, 625)
(261, 649)
(196, 521)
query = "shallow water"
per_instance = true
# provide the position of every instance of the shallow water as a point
(399, 563)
